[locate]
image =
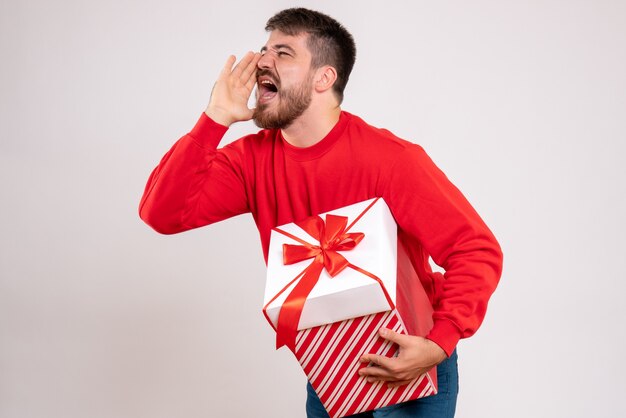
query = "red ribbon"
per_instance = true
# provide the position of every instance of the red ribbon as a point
(332, 237)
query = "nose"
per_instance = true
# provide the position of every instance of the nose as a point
(265, 61)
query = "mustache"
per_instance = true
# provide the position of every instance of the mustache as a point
(265, 72)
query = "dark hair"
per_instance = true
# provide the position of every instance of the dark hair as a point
(329, 42)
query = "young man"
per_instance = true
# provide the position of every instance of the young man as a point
(311, 157)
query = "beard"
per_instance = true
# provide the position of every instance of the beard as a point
(292, 102)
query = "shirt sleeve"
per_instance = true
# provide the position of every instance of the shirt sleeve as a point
(195, 184)
(432, 210)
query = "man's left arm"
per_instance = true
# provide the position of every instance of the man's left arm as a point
(430, 208)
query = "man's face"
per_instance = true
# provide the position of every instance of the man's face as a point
(284, 81)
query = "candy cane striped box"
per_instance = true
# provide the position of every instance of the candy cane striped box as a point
(329, 356)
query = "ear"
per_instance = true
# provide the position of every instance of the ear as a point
(325, 77)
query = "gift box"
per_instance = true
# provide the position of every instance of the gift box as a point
(329, 356)
(331, 285)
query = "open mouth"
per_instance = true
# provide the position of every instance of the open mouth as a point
(267, 89)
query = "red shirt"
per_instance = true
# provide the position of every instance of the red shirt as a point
(196, 184)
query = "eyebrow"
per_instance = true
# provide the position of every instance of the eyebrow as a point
(280, 46)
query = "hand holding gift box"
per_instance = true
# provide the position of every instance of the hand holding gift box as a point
(328, 293)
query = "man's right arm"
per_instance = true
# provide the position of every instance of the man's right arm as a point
(195, 184)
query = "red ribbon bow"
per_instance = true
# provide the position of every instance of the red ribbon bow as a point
(332, 237)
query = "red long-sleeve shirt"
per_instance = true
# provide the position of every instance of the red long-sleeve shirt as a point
(196, 184)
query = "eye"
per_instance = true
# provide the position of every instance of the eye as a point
(282, 53)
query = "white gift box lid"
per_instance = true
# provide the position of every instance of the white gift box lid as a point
(350, 294)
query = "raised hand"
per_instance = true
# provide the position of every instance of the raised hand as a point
(416, 356)
(230, 94)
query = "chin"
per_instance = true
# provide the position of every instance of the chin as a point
(267, 119)
(282, 113)
(269, 122)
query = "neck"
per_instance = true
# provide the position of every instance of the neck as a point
(312, 126)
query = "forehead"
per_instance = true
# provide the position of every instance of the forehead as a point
(280, 40)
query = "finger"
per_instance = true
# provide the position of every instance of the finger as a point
(251, 82)
(396, 384)
(373, 371)
(386, 379)
(228, 66)
(241, 65)
(401, 339)
(382, 361)
(250, 69)
(390, 377)
(252, 78)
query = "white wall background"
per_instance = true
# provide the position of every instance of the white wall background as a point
(521, 103)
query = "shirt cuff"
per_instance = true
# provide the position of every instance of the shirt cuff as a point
(207, 133)
(445, 334)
